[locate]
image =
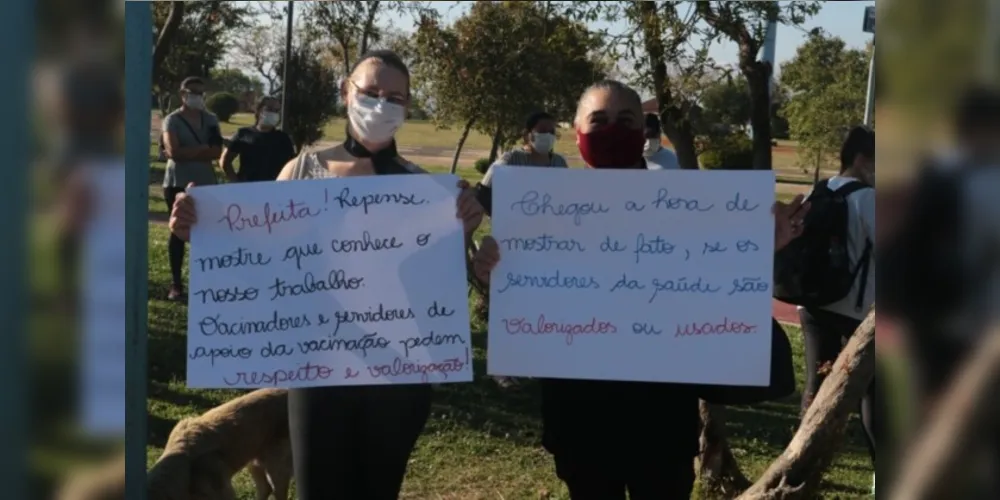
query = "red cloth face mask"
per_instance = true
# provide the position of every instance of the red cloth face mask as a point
(614, 146)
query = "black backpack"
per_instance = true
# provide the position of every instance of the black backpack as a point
(815, 269)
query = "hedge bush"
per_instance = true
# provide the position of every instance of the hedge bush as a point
(483, 165)
(223, 105)
(732, 152)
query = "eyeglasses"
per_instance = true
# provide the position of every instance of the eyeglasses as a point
(376, 94)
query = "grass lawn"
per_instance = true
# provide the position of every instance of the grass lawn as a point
(481, 442)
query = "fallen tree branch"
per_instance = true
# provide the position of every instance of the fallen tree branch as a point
(797, 473)
(969, 409)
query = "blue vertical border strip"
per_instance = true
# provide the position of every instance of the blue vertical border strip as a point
(138, 113)
(17, 50)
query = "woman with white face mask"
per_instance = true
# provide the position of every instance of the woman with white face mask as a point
(354, 442)
(537, 151)
(263, 149)
(657, 156)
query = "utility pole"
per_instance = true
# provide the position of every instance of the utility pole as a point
(288, 58)
(17, 50)
(138, 88)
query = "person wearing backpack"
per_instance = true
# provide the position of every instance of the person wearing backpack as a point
(830, 271)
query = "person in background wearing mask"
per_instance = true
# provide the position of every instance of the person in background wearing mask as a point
(610, 437)
(192, 140)
(657, 156)
(263, 149)
(354, 442)
(827, 329)
(539, 142)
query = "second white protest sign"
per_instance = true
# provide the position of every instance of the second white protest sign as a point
(633, 275)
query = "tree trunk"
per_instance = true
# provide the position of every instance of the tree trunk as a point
(719, 471)
(819, 167)
(495, 150)
(682, 138)
(166, 104)
(941, 459)
(760, 114)
(166, 37)
(797, 473)
(366, 34)
(461, 144)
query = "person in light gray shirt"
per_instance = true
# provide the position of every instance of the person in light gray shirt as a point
(192, 140)
(657, 156)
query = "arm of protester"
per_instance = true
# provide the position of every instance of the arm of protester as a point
(171, 142)
(486, 259)
(229, 154)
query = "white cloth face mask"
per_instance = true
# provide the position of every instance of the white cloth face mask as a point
(269, 118)
(543, 143)
(375, 120)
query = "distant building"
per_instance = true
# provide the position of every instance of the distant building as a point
(651, 106)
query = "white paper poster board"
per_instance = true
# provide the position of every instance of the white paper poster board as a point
(103, 344)
(633, 275)
(329, 282)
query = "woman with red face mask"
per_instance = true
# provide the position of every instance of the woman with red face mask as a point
(610, 439)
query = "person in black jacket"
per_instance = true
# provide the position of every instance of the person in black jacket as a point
(610, 437)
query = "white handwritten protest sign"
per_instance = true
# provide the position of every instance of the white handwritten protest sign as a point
(633, 275)
(103, 344)
(356, 281)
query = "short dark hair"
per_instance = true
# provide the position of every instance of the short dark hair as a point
(192, 80)
(534, 119)
(387, 57)
(978, 109)
(263, 102)
(860, 141)
(653, 124)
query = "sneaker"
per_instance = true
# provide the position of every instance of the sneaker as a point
(176, 293)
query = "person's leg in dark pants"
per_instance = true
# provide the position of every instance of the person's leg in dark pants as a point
(324, 425)
(823, 335)
(656, 478)
(394, 417)
(175, 249)
(591, 477)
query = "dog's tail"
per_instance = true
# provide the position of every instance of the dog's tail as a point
(170, 477)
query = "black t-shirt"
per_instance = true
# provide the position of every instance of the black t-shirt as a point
(262, 154)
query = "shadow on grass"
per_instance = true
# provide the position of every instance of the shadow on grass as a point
(511, 413)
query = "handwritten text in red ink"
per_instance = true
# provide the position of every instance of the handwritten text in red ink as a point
(274, 378)
(402, 367)
(238, 220)
(724, 327)
(542, 326)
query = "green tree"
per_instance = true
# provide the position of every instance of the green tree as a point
(235, 81)
(199, 41)
(745, 23)
(827, 82)
(534, 59)
(312, 95)
(727, 102)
